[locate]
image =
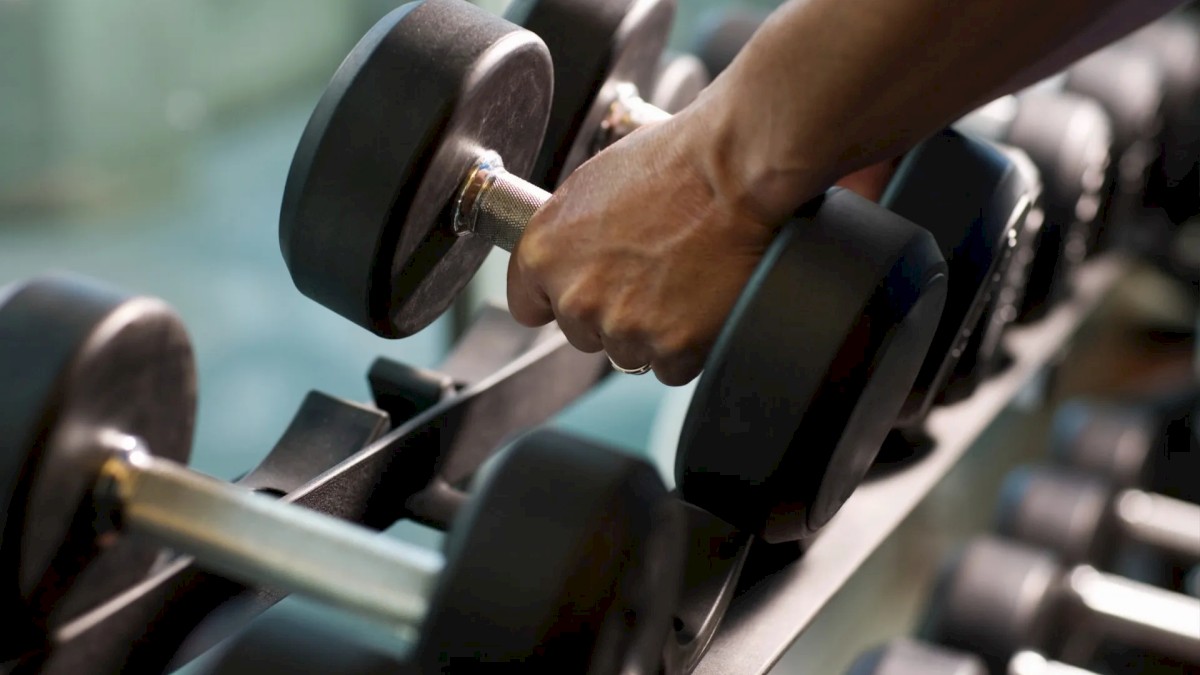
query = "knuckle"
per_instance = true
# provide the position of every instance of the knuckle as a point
(534, 253)
(579, 304)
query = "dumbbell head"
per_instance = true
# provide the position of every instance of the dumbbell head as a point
(596, 46)
(568, 556)
(364, 227)
(80, 362)
(809, 383)
(1174, 42)
(974, 202)
(1130, 88)
(983, 353)
(681, 78)
(1111, 440)
(1069, 137)
(1062, 511)
(910, 657)
(992, 599)
(722, 33)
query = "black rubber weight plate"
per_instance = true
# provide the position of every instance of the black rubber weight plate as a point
(595, 44)
(973, 200)
(811, 367)
(365, 224)
(568, 559)
(77, 358)
(993, 599)
(1068, 137)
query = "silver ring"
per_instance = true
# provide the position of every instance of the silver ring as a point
(634, 371)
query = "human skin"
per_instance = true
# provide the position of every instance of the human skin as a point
(643, 250)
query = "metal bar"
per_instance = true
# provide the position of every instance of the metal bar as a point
(1032, 663)
(1169, 524)
(261, 541)
(770, 615)
(1137, 614)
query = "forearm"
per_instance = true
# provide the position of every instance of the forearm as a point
(828, 86)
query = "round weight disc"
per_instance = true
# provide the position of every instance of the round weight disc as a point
(78, 359)
(568, 559)
(365, 224)
(810, 369)
(1069, 138)
(681, 78)
(993, 599)
(983, 354)
(974, 201)
(1130, 88)
(1110, 440)
(596, 45)
(1065, 512)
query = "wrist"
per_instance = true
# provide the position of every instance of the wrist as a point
(745, 160)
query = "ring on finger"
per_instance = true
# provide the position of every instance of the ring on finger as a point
(641, 370)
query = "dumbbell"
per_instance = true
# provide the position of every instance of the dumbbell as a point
(998, 597)
(563, 556)
(1174, 43)
(811, 380)
(975, 201)
(1129, 86)
(912, 657)
(983, 355)
(681, 78)
(606, 59)
(1069, 139)
(971, 197)
(1082, 519)
(1152, 443)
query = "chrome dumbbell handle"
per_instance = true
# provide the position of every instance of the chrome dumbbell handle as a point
(1136, 613)
(1168, 524)
(497, 205)
(261, 541)
(1032, 663)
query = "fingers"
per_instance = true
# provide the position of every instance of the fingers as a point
(677, 370)
(527, 301)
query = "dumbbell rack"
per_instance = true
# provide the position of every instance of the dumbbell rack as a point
(471, 398)
(766, 618)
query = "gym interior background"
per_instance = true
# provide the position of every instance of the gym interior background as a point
(147, 144)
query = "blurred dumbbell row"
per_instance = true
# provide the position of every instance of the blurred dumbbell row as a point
(1088, 568)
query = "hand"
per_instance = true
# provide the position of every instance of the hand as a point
(640, 253)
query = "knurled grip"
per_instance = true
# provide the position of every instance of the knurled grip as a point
(495, 204)
(505, 207)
